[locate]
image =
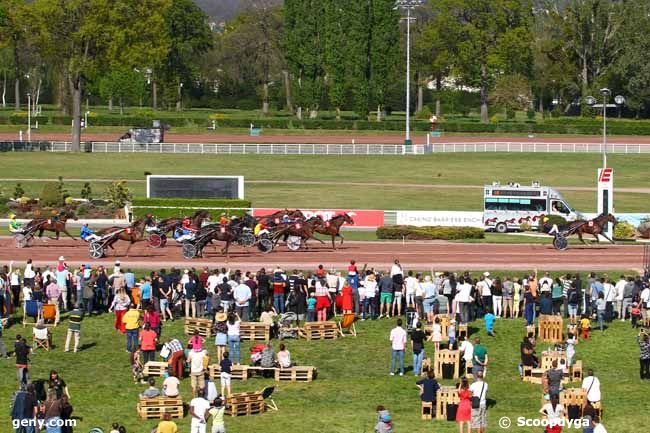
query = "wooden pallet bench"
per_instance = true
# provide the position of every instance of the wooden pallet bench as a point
(254, 331)
(155, 368)
(444, 326)
(463, 331)
(296, 374)
(155, 408)
(446, 395)
(204, 326)
(445, 356)
(245, 403)
(576, 372)
(550, 329)
(237, 372)
(320, 331)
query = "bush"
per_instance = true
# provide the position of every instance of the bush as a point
(624, 230)
(530, 114)
(19, 191)
(51, 196)
(429, 232)
(424, 113)
(86, 191)
(118, 193)
(524, 227)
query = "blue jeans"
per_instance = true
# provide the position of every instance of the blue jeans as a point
(88, 305)
(278, 303)
(367, 307)
(26, 429)
(417, 362)
(132, 340)
(52, 425)
(601, 319)
(395, 355)
(233, 347)
(530, 314)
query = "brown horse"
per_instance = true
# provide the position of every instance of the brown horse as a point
(55, 224)
(132, 234)
(304, 230)
(333, 227)
(217, 232)
(276, 217)
(593, 227)
(169, 224)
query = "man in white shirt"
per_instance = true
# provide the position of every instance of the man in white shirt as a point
(398, 344)
(484, 287)
(545, 280)
(170, 386)
(467, 350)
(199, 412)
(620, 288)
(610, 294)
(479, 416)
(213, 282)
(242, 295)
(411, 284)
(197, 381)
(592, 385)
(463, 298)
(645, 301)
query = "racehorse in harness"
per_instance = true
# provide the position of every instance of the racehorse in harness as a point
(332, 227)
(55, 224)
(305, 230)
(593, 227)
(132, 234)
(217, 232)
(171, 224)
(280, 216)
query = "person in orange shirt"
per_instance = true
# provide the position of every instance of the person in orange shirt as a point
(532, 283)
(148, 340)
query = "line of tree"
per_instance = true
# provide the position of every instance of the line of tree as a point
(313, 55)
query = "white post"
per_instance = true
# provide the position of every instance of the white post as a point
(605, 132)
(29, 117)
(407, 138)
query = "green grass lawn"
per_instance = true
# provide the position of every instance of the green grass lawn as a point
(352, 379)
(384, 173)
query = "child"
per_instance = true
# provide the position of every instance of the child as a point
(570, 348)
(489, 322)
(384, 421)
(136, 367)
(635, 312)
(216, 412)
(226, 370)
(585, 326)
(451, 332)
(436, 333)
(311, 307)
(114, 428)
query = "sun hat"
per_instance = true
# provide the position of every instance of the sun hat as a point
(61, 258)
(486, 274)
(221, 317)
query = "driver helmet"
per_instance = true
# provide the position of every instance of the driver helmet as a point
(235, 217)
(85, 224)
(12, 216)
(546, 219)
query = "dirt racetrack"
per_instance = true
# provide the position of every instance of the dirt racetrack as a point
(420, 256)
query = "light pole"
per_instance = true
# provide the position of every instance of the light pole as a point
(591, 101)
(408, 5)
(29, 116)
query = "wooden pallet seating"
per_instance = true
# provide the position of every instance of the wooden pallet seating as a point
(245, 403)
(427, 410)
(204, 326)
(550, 329)
(576, 372)
(155, 368)
(446, 395)
(446, 357)
(462, 330)
(238, 372)
(254, 331)
(320, 331)
(155, 408)
(573, 397)
(296, 374)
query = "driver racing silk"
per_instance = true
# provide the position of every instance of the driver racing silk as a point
(257, 229)
(14, 226)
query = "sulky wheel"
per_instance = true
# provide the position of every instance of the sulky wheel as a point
(189, 250)
(265, 245)
(560, 243)
(294, 242)
(96, 250)
(246, 240)
(155, 240)
(21, 240)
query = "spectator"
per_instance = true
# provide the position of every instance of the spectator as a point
(572, 304)
(22, 351)
(120, 305)
(323, 300)
(601, 308)
(25, 408)
(644, 357)
(148, 340)
(555, 413)
(279, 286)
(571, 342)
(152, 318)
(464, 411)
(479, 358)
(479, 391)
(167, 425)
(233, 325)
(529, 306)
(217, 412)
(597, 426)
(226, 371)
(592, 385)
(398, 343)
(555, 376)
(3, 350)
(284, 357)
(190, 287)
(170, 386)
(52, 413)
(585, 326)
(196, 359)
(428, 388)
(311, 308)
(386, 288)
(267, 359)
(417, 344)
(152, 391)
(220, 330)
(467, 351)
(242, 295)
(528, 358)
(489, 322)
(88, 291)
(74, 329)
(131, 321)
(199, 408)
(176, 357)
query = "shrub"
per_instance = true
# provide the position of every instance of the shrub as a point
(118, 193)
(61, 189)
(624, 230)
(86, 191)
(524, 227)
(429, 232)
(82, 210)
(530, 114)
(50, 196)
(424, 113)
(68, 200)
(19, 191)
(23, 200)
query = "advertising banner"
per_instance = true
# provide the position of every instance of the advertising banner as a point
(440, 218)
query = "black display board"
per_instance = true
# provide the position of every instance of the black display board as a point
(195, 187)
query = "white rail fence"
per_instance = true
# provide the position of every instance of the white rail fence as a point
(537, 147)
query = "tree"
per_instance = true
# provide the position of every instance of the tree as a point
(494, 36)
(12, 34)
(125, 85)
(358, 56)
(336, 45)
(384, 50)
(512, 92)
(83, 36)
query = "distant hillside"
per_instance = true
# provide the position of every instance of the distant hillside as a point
(221, 10)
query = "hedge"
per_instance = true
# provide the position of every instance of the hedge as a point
(182, 207)
(429, 232)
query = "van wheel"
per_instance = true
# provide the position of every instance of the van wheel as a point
(501, 228)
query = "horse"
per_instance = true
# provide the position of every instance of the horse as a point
(55, 224)
(277, 216)
(132, 234)
(593, 227)
(217, 232)
(169, 224)
(333, 227)
(305, 230)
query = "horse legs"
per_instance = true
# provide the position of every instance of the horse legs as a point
(341, 236)
(607, 237)
(596, 237)
(66, 232)
(128, 248)
(333, 238)
(580, 237)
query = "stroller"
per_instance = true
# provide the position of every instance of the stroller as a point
(286, 329)
(411, 319)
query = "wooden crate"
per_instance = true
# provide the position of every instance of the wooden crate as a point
(446, 357)
(320, 331)
(254, 331)
(446, 395)
(155, 368)
(237, 372)
(462, 330)
(550, 329)
(468, 370)
(427, 410)
(576, 372)
(296, 374)
(155, 408)
(549, 356)
(245, 403)
(204, 326)
(573, 396)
